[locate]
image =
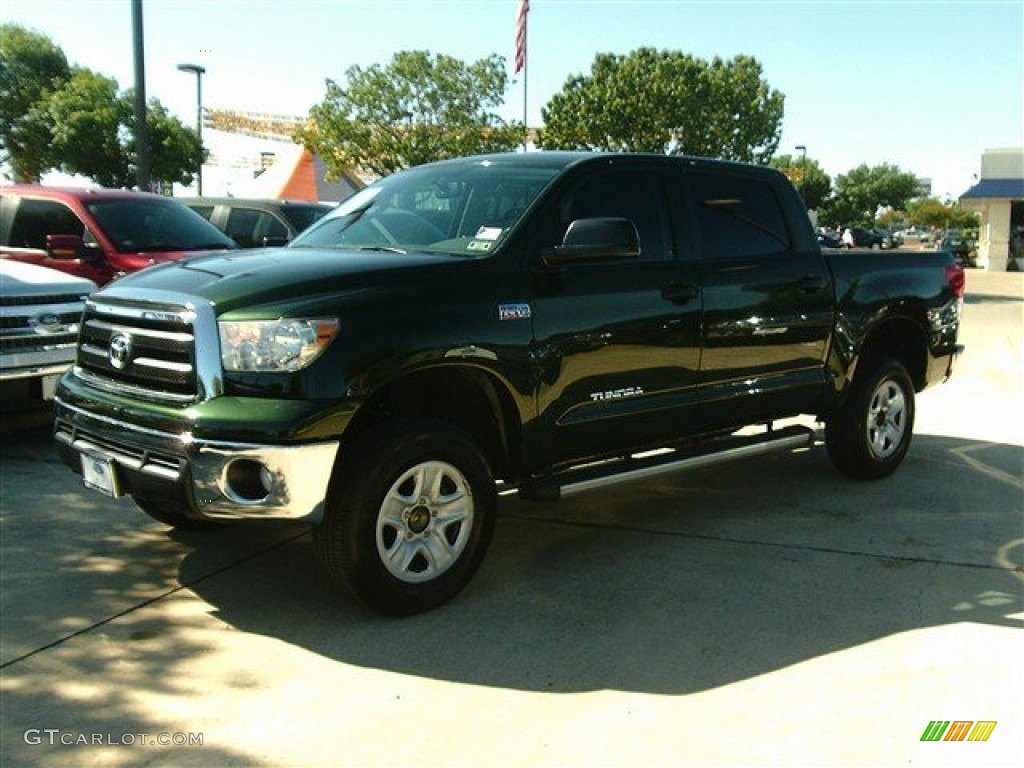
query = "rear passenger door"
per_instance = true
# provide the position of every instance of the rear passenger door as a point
(767, 302)
(616, 347)
(249, 226)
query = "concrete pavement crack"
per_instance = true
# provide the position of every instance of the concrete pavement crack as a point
(755, 542)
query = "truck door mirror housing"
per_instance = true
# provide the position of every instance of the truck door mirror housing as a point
(599, 239)
(64, 247)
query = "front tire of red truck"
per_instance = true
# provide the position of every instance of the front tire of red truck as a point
(869, 436)
(408, 518)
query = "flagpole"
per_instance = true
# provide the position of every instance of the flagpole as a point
(526, 125)
(522, 63)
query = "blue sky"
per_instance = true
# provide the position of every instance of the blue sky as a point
(924, 84)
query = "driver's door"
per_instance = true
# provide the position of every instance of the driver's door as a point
(617, 343)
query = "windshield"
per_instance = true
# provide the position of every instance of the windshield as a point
(460, 209)
(302, 216)
(148, 225)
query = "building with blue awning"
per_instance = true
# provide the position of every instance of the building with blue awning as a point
(999, 197)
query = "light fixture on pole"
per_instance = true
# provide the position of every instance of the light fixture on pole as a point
(803, 169)
(198, 71)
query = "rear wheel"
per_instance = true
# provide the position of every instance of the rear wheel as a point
(172, 514)
(408, 517)
(870, 435)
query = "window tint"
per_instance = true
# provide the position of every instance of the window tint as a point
(631, 194)
(302, 216)
(206, 211)
(738, 217)
(152, 224)
(35, 219)
(246, 225)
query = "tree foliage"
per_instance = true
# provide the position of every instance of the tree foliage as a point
(932, 212)
(667, 102)
(861, 192)
(418, 108)
(31, 66)
(810, 180)
(75, 120)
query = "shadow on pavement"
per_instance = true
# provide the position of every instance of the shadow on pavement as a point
(673, 586)
(701, 580)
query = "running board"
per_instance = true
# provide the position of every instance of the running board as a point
(589, 477)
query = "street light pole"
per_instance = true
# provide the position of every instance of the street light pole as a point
(198, 71)
(803, 169)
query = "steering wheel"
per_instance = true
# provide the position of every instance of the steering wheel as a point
(401, 226)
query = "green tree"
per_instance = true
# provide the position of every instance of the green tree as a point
(418, 108)
(810, 180)
(53, 116)
(667, 102)
(861, 192)
(932, 212)
(31, 66)
(176, 149)
(86, 116)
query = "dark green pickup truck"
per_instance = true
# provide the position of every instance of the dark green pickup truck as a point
(539, 322)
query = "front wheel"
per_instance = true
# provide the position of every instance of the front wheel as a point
(408, 518)
(869, 436)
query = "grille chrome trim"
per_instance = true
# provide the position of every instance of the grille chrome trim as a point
(197, 318)
(121, 388)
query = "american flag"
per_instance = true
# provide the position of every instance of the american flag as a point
(524, 10)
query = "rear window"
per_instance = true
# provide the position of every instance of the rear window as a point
(301, 216)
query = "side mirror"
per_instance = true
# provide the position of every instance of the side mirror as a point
(274, 242)
(604, 239)
(64, 247)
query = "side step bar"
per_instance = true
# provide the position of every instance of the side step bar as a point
(589, 477)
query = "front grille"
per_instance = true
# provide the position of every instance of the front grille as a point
(51, 298)
(139, 348)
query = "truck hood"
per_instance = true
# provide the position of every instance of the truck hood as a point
(247, 278)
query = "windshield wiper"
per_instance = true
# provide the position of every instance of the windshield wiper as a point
(382, 248)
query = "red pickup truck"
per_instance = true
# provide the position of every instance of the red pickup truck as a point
(99, 234)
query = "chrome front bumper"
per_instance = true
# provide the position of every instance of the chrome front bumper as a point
(219, 480)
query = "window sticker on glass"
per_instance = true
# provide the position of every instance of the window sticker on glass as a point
(488, 233)
(479, 245)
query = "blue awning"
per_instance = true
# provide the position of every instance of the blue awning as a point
(1002, 188)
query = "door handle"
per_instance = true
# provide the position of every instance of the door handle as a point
(812, 283)
(680, 293)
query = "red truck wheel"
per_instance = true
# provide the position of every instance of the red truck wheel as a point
(408, 518)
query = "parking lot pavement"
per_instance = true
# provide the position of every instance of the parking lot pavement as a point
(766, 612)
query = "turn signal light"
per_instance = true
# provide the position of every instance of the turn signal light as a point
(957, 279)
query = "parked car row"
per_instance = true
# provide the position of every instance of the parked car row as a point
(258, 223)
(58, 244)
(859, 237)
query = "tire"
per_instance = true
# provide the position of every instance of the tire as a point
(172, 514)
(408, 518)
(869, 436)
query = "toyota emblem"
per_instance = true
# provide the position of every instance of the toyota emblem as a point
(120, 351)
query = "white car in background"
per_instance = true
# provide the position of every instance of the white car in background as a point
(40, 311)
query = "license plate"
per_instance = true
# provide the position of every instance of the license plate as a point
(50, 386)
(100, 474)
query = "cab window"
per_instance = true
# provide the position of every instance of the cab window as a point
(737, 217)
(35, 219)
(634, 194)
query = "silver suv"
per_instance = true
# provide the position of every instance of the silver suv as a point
(40, 310)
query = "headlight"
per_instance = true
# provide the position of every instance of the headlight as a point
(288, 344)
